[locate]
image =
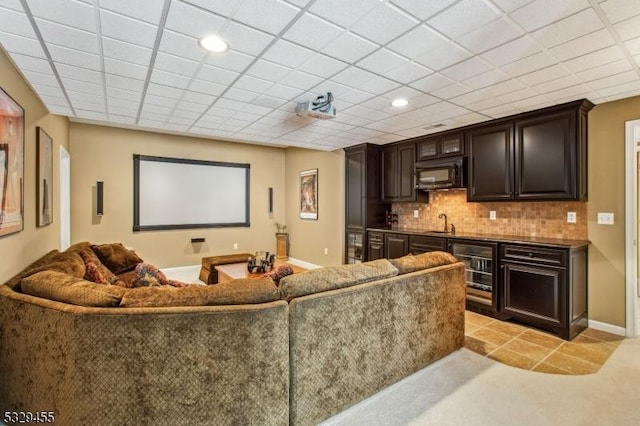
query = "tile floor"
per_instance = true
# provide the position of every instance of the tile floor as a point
(532, 349)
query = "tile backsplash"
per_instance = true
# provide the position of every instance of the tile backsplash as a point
(536, 219)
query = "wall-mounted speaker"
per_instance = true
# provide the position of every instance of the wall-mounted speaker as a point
(99, 198)
(270, 200)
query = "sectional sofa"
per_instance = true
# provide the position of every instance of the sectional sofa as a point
(250, 352)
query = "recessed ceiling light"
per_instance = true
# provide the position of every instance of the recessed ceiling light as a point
(400, 102)
(214, 44)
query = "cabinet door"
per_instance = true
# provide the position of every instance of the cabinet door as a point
(406, 172)
(419, 244)
(354, 247)
(355, 189)
(545, 157)
(389, 171)
(396, 245)
(451, 145)
(428, 149)
(490, 163)
(375, 245)
(535, 294)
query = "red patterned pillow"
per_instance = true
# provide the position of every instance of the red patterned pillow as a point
(147, 275)
(93, 274)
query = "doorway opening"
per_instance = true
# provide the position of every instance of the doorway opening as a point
(632, 198)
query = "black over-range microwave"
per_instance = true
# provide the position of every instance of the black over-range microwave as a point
(445, 173)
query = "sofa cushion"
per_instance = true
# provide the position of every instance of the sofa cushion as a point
(335, 277)
(90, 258)
(116, 257)
(61, 287)
(411, 263)
(236, 292)
(14, 282)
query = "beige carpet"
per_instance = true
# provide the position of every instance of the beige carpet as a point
(468, 389)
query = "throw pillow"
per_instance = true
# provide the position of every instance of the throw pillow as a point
(116, 257)
(411, 263)
(147, 275)
(14, 282)
(95, 271)
(281, 272)
(61, 287)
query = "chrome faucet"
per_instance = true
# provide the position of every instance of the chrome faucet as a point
(446, 225)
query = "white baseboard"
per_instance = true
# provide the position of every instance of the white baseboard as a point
(609, 328)
(302, 263)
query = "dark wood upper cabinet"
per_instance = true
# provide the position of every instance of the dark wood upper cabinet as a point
(439, 146)
(490, 163)
(532, 156)
(398, 181)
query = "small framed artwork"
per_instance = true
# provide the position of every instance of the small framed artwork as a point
(309, 194)
(44, 174)
(11, 165)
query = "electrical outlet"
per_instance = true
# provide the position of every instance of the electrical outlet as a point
(235, 246)
(571, 217)
(492, 215)
(605, 219)
(416, 213)
(326, 251)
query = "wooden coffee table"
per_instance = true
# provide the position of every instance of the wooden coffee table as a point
(234, 271)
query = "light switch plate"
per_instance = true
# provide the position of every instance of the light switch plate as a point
(416, 214)
(605, 219)
(492, 215)
(571, 217)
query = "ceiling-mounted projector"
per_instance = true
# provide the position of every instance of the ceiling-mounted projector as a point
(321, 108)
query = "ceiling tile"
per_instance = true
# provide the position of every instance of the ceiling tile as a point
(271, 16)
(66, 12)
(231, 60)
(169, 79)
(554, 85)
(283, 92)
(489, 36)
(22, 45)
(29, 63)
(628, 29)
(443, 57)
(343, 13)
(124, 82)
(518, 95)
(268, 71)
(312, 32)
(113, 93)
(378, 85)
(49, 90)
(512, 51)
(12, 4)
(633, 87)
(529, 64)
(125, 69)
(253, 84)
(553, 72)
(288, 54)
(504, 87)
(595, 41)
(174, 64)
(633, 46)
(451, 91)
(423, 9)
(68, 37)
(619, 10)
(466, 69)
(217, 75)
(127, 52)
(77, 73)
(544, 12)
(164, 91)
(301, 80)
(383, 24)
(568, 29)
(614, 80)
(382, 61)
(322, 65)
(594, 59)
(83, 86)
(159, 101)
(510, 5)
(605, 70)
(199, 98)
(417, 42)
(463, 17)
(75, 57)
(432, 82)
(16, 23)
(127, 29)
(145, 11)
(349, 47)
(192, 21)
(488, 78)
(353, 76)
(408, 72)
(41, 79)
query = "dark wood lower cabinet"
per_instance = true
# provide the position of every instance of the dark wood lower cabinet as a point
(545, 288)
(396, 245)
(375, 246)
(419, 244)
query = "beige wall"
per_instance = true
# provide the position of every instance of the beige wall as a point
(606, 194)
(106, 154)
(309, 238)
(18, 249)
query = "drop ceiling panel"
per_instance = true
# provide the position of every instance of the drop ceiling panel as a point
(489, 58)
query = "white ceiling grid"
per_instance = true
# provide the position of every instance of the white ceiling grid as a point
(138, 64)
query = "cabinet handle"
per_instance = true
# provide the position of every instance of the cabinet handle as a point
(530, 254)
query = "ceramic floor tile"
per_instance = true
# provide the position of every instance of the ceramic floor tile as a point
(477, 319)
(507, 328)
(513, 359)
(571, 364)
(470, 328)
(478, 346)
(543, 367)
(541, 339)
(528, 349)
(602, 335)
(592, 353)
(487, 335)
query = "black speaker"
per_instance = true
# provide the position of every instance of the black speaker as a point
(270, 200)
(99, 198)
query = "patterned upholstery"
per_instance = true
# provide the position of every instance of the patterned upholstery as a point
(411, 263)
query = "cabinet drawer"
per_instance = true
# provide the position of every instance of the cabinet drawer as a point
(534, 255)
(376, 237)
(418, 244)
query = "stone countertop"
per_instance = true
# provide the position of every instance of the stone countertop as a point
(537, 241)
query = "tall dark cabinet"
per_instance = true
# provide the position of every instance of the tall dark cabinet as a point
(362, 199)
(398, 183)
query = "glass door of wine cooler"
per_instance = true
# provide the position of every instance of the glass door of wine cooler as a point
(355, 249)
(480, 265)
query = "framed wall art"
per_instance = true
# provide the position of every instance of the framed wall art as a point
(11, 165)
(309, 194)
(44, 175)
